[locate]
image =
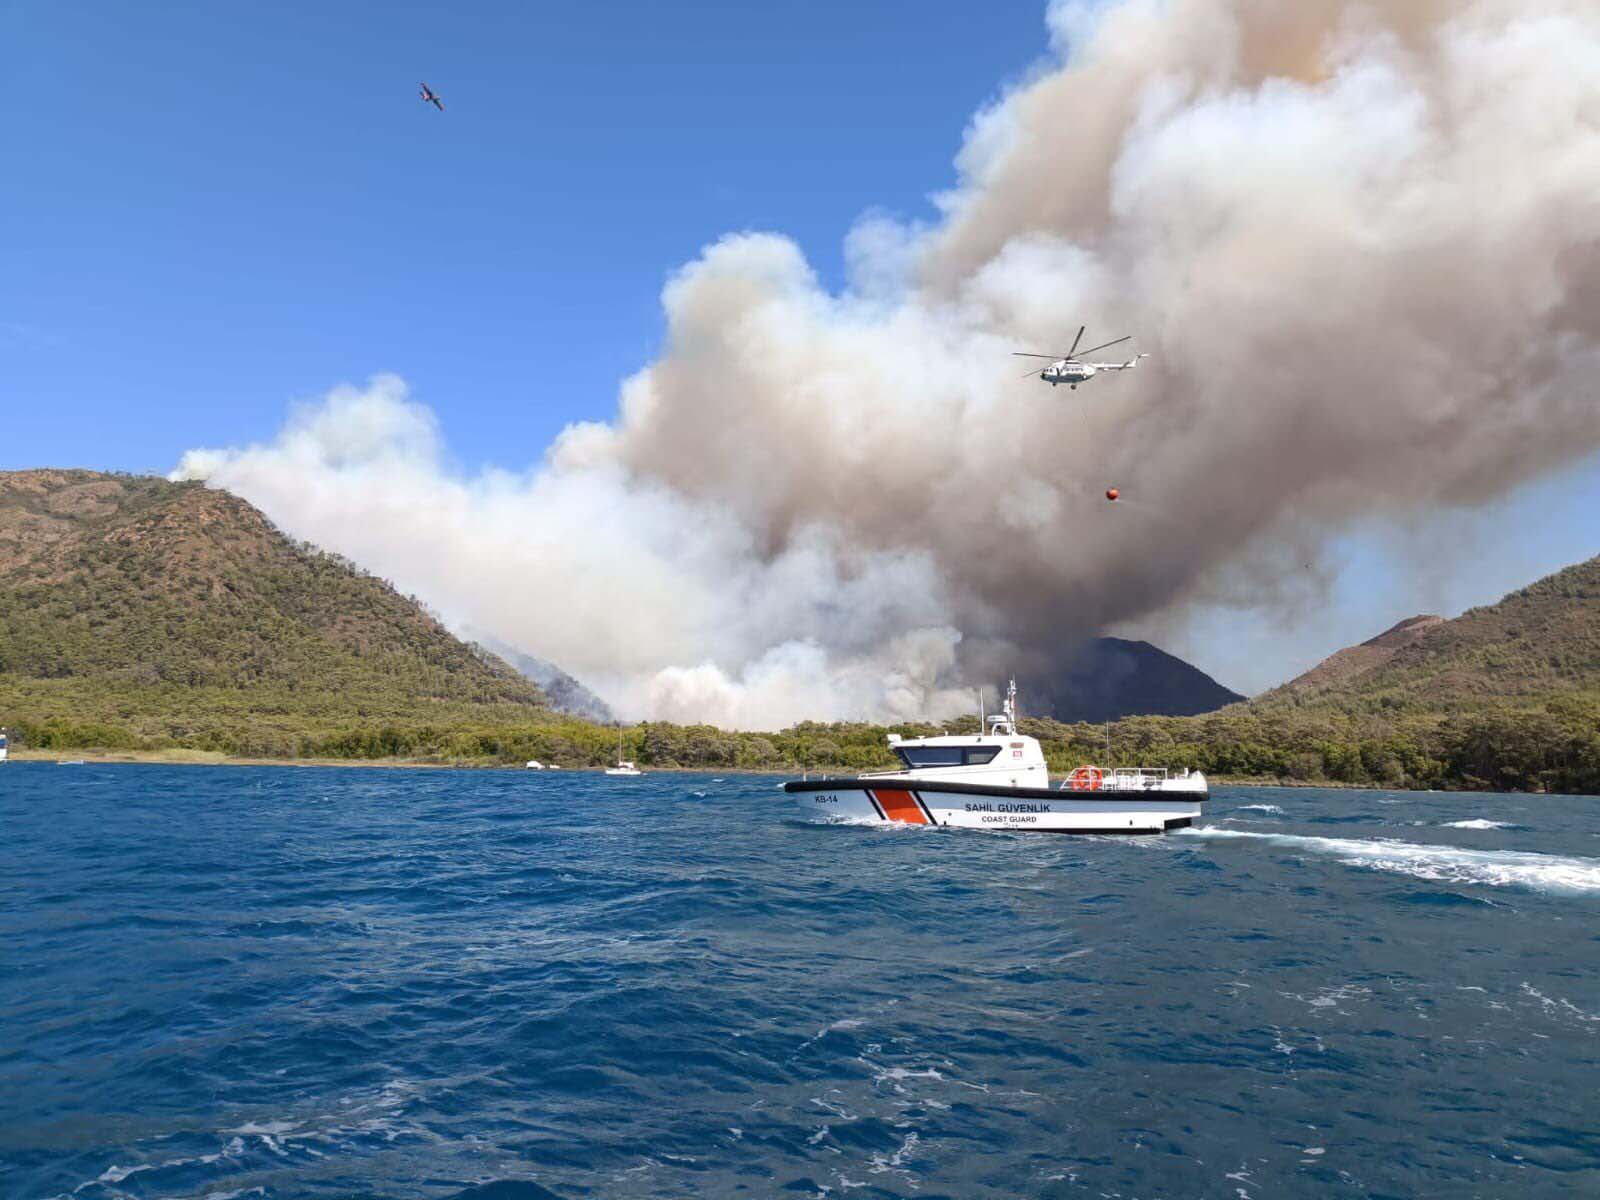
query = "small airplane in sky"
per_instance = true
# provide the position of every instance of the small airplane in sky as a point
(1070, 369)
(429, 96)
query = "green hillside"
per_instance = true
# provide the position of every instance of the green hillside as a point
(1538, 644)
(1506, 696)
(137, 612)
(144, 615)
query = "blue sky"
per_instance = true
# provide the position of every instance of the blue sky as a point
(210, 210)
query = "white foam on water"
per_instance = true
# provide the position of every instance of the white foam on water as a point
(1478, 823)
(846, 1023)
(1438, 864)
(1263, 808)
(265, 1128)
(891, 828)
(899, 1073)
(873, 822)
(115, 1174)
(896, 1161)
(1332, 997)
(1556, 1006)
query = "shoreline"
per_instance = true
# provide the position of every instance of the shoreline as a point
(210, 758)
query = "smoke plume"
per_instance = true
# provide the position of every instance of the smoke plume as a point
(1360, 241)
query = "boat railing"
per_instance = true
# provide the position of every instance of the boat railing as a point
(1140, 774)
(1120, 779)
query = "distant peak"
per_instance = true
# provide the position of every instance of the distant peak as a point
(1405, 630)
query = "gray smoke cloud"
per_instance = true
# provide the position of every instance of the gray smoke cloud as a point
(1361, 243)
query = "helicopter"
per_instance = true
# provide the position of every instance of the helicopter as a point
(1070, 369)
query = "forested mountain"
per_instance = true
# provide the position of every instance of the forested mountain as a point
(1351, 664)
(169, 612)
(1538, 644)
(1506, 696)
(141, 614)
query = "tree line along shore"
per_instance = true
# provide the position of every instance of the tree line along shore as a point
(1555, 748)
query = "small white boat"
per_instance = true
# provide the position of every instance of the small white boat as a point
(535, 765)
(999, 780)
(624, 766)
(69, 762)
(5, 749)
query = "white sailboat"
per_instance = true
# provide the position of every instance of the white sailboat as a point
(624, 766)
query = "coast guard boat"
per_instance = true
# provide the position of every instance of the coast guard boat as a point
(998, 779)
(4, 750)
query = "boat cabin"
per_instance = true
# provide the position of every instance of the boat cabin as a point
(998, 757)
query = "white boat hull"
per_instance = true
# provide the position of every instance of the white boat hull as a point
(973, 806)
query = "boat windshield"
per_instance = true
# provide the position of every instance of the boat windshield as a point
(946, 756)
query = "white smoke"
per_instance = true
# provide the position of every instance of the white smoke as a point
(662, 604)
(1361, 242)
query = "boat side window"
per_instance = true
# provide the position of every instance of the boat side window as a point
(930, 756)
(977, 755)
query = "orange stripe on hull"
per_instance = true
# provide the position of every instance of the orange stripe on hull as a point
(901, 806)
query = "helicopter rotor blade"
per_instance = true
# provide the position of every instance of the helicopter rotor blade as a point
(1103, 345)
(1075, 342)
(1031, 371)
(1025, 354)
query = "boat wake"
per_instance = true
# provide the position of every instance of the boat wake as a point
(1439, 864)
(1480, 823)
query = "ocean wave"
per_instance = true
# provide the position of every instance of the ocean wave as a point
(451, 952)
(1556, 1006)
(1479, 823)
(1439, 864)
(1261, 808)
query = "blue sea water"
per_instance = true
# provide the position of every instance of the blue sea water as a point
(294, 982)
